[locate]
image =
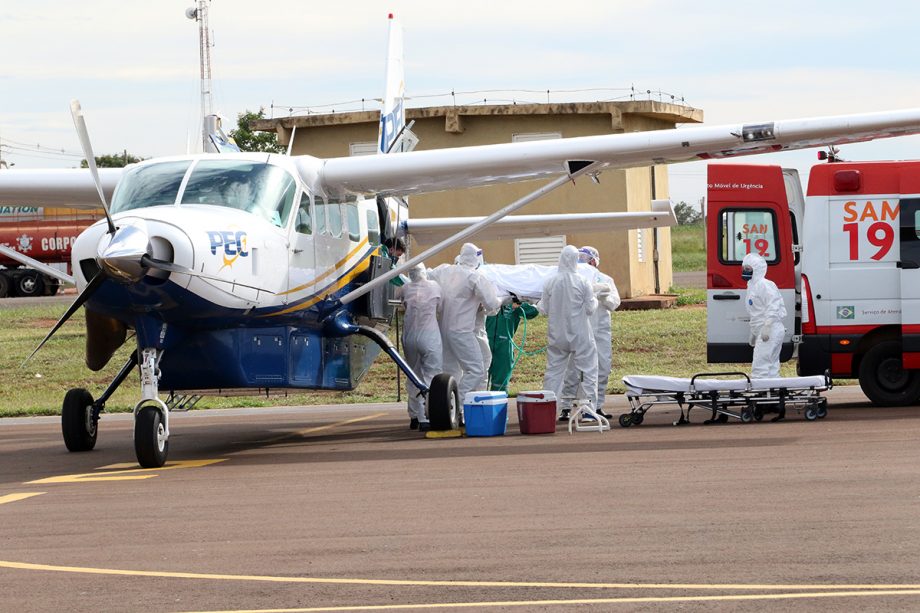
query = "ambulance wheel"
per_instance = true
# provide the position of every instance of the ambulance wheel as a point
(822, 409)
(151, 444)
(625, 420)
(444, 403)
(77, 423)
(4, 285)
(883, 378)
(811, 413)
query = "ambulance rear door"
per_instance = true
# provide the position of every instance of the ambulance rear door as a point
(747, 211)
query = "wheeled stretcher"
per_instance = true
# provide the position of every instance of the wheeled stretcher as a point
(738, 396)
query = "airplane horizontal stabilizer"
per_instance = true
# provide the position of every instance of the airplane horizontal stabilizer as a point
(461, 167)
(431, 230)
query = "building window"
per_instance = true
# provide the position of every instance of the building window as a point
(541, 250)
(355, 149)
(526, 137)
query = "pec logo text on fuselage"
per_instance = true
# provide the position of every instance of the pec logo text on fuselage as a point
(232, 244)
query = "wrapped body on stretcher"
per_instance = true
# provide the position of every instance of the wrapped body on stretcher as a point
(740, 396)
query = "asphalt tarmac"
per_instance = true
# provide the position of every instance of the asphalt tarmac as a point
(345, 508)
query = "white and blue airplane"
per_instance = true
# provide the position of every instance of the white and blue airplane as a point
(256, 270)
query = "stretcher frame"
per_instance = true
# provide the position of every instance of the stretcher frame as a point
(741, 398)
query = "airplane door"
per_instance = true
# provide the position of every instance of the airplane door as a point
(747, 211)
(302, 267)
(331, 244)
(909, 266)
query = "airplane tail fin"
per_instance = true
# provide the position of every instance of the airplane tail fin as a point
(393, 116)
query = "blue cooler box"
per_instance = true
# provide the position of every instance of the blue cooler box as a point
(485, 413)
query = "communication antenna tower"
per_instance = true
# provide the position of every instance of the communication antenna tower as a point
(199, 13)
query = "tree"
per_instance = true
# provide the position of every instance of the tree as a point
(247, 140)
(116, 160)
(687, 214)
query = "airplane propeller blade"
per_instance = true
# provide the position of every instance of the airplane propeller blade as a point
(83, 134)
(88, 291)
(150, 262)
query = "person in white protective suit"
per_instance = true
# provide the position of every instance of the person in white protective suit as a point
(608, 299)
(421, 338)
(765, 306)
(464, 293)
(569, 302)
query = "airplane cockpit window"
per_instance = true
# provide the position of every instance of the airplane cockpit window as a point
(373, 227)
(149, 185)
(262, 189)
(304, 222)
(354, 222)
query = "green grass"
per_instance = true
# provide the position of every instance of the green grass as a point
(666, 342)
(687, 253)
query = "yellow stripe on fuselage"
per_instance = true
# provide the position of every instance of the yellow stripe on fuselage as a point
(329, 272)
(334, 287)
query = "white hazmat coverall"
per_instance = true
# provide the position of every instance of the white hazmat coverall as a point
(569, 302)
(421, 335)
(608, 299)
(765, 306)
(464, 291)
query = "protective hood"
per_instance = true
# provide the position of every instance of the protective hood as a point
(417, 273)
(589, 255)
(758, 265)
(568, 259)
(470, 256)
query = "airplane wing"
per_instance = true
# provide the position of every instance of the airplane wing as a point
(441, 169)
(70, 187)
(432, 230)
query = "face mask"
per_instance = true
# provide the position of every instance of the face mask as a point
(747, 273)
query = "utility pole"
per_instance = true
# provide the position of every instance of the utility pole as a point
(200, 14)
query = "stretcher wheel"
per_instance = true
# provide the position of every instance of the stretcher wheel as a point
(638, 418)
(822, 409)
(625, 420)
(747, 417)
(758, 414)
(811, 413)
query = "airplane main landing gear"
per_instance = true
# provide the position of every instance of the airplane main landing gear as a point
(79, 421)
(444, 407)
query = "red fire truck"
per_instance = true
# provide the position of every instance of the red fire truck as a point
(42, 234)
(846, 259)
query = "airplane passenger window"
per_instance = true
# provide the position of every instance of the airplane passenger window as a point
(373, 228)
(334, 219)
(320, 210)
(354, 222)
(304, 223)
(149, 185)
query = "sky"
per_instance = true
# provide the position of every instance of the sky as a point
(134, 64)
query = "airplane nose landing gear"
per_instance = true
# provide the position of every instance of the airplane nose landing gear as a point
(151, 415)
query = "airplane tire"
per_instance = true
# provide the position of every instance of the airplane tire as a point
(150, 443)
(444, 403)
(883, 378)
(77, 423)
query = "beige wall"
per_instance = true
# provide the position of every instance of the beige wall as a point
(619, 190)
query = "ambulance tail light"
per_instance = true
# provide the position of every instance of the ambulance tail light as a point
(809, 325)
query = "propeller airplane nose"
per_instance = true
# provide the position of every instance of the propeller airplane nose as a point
(122, 257)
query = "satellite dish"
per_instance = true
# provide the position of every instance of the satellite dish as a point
(192, 13)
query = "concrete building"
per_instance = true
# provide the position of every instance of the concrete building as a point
(628, 256)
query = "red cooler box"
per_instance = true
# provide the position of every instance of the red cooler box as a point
(537, 412)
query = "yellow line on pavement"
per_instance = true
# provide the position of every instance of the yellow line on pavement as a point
(134, 474)
(909, 587)
(538, 603)
(19, 496)
(306, 431)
